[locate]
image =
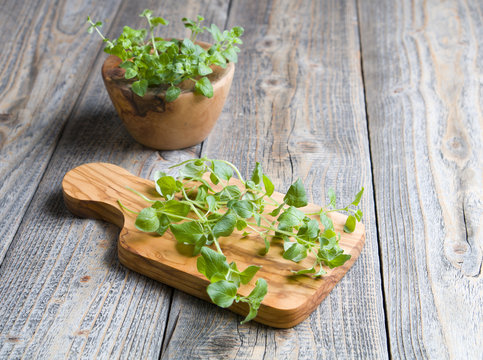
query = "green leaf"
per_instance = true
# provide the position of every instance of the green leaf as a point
(231, 55)
(225, 226)
(358, 197)
(358, 215)
(199, 245)
(257, 218)
(174, 207)
(204, 69)
(328, 240)
(140, 87)
(163, 224)
(290, 217)
(252, 313)
(215, 263)
(257, 173)
(350, 224)
(167, 186)
(333, 260)
(242, 208)
(276, 211)
(216, 33)
(267, 245)
(211, 201)
(230, 192)
(222, 170)
(192, 170)
(222, 293)
(294, 251)
(147, 220)
(187, 47)
(214, 179)
(304, 271)
(269, 188)
(218, 59)
(146, 13)
(296, 195)
(326, 222)
(201, 265)
(172, 93)
(201, 193)
(332, 197)
(248, 274)
(241, 224)
(188, 232)
(237, 31)
(204, 87)
(130, 73)
(233, 275)
(259, 292)
(159, 21)
(310, 230)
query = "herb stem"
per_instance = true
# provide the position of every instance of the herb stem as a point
(234, 168)
(141, 195)
(126, 208)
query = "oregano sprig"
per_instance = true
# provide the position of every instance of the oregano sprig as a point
(198, 215)
(152, 61)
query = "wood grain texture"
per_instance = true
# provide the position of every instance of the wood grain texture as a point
(46, 60)
(93, 190)
(63, 292)
(422, 63)
(297, 106)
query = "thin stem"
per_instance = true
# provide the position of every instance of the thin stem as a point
(190, 202)
(218, 248)
(141, 195)
(126, 208)
(152, 40)
(173, 215)
(184, 162)
(234, 168)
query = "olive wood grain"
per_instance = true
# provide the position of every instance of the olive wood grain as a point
(92, 190)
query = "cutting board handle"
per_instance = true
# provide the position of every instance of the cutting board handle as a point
(92, 190)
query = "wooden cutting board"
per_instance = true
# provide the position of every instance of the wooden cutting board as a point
(92, 190)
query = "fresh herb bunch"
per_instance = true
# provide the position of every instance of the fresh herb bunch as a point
(199, 215)
(153, 61)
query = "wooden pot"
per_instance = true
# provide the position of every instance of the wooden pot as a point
(167, 125)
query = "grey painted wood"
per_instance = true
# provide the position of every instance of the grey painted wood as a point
(422, 63)
(63, 292)
(297, 106)
(44, 64)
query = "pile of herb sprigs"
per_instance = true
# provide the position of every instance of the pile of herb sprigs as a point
(152, 61)
(216, 214)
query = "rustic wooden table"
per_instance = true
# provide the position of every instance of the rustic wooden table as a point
(342, 93)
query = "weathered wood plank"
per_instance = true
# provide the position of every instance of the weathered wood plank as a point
(44, 65)
(63, 292)
(422, 63)
(297, 106)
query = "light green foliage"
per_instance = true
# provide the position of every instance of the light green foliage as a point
(199, 216)
(153, 61)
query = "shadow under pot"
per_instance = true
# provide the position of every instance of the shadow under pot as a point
(163, 125)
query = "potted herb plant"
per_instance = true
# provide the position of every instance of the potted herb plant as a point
(169, 92)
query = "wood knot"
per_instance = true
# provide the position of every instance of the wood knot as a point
(268, 44)
(5, 117)
(456, 147)
(308, 147)
(82, 332)
(272, 83)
